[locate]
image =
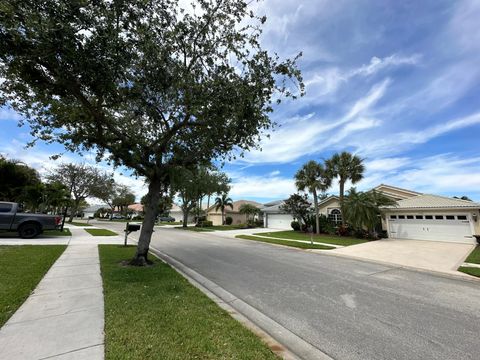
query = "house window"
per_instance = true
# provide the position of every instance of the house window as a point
(401, 216)
(409, 216)
(462, 217)
(335, 216)
(419, 217)
(428, 217)
(393, 216)
(438, 217)
(450, 217)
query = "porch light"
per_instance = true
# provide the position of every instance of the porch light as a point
(475, 217)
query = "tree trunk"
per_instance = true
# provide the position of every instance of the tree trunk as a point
(151, 210)
(208, 202)
(315, 204)
(185, 218)
(223, 216)
(342, 186)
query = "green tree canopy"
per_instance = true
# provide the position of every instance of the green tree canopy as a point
(15, 178)
(147, 84)
(299, 206)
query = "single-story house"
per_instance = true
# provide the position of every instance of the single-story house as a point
(432, 217)
(89, 212)
(215, 216)
(177, 213)
(137, 209)
(276, 218)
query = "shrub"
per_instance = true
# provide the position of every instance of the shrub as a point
(204, 223)
(228, 220)
(343, 231)
(295, 225)
(259, 223)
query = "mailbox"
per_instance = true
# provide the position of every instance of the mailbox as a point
(133, 227)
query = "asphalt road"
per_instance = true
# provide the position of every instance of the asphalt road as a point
(349, 309)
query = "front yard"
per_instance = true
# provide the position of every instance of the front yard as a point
(154, 313)
(21, 268)
(322, 238)
(473, 258)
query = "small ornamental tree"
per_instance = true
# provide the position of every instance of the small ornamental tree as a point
(147, 84)
(299, 206)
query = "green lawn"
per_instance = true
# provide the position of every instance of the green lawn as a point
(21, 268)
(101, 232)
(474, 256)
(285, 242)
(470, 270)
(161, 223)
(65, 232)
(328, 239)
(215, 227)
(78, 223)
(154, 313)
(194, 228)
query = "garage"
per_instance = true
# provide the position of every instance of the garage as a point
(279, 221)
(433, 218)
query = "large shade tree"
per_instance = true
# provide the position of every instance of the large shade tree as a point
(82, 181)
(313, 177)
(345, 167)
(144, 83)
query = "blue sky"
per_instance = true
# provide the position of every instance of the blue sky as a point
(396, 82)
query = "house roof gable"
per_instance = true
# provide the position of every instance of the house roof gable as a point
(428, 201)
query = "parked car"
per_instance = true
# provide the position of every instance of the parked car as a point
(166, 219)
(118, 217)
(27, 225)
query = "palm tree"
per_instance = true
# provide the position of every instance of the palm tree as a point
(345, 166)
(312, 177)
(248, 210)
(362, 209)
(221, 203)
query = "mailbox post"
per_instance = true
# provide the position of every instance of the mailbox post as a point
(130, 228)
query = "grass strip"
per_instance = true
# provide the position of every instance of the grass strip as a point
(101, 232)
(21, 269)
(78, 223)
(285, 242)
(474, 256)
(154, 313)
(470, 270)
(65, 232)
(328, 239)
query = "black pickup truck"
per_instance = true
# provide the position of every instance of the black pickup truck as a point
(27, 225)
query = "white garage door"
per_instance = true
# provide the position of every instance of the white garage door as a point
(279, 221)
(436, 227)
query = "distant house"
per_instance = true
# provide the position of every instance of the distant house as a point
(137, 209)
(215, 216)
(90, 211)
(177, 213)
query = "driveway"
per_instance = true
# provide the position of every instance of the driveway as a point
(427, 255)
(347, 308)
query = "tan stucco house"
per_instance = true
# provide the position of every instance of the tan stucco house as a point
(215, 216)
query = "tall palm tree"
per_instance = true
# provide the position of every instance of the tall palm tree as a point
(313, 177)
(221, 203)
(345, 166)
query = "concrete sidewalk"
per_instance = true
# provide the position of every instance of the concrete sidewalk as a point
(64, 317)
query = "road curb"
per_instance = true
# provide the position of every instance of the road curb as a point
(281, 341)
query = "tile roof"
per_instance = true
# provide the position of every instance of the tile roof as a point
(428, 201)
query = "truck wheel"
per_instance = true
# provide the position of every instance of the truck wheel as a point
(29, 230)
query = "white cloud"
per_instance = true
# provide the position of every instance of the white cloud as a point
(7, 114)
(270, 186)
(308, 135)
